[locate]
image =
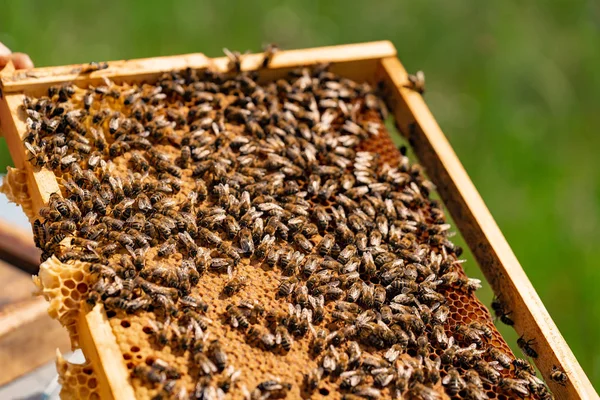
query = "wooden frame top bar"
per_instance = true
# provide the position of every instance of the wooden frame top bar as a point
(147, 68)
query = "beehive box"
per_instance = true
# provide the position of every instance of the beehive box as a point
(109, 340)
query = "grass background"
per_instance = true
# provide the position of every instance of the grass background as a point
(514, 85)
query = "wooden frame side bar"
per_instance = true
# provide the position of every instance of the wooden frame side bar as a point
(99, 345)
(494, 255)
(41, 182)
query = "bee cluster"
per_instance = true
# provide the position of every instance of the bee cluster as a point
(164, 186)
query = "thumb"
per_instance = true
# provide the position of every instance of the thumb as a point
(4, 55)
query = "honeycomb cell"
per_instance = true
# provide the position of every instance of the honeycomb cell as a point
(135, 349)
(69, 283)
(84, 392)
(92, 383)
(75, 379)
(71, 303)
(82, 288)
(127, 356)
(125, 323)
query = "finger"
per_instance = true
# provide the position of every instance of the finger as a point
(4, 50)
(22, 61)
(4, 59)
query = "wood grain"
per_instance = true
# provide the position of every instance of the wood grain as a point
(17, 248)
(476, 224)
(28, 336)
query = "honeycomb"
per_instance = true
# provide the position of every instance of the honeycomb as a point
(115, 145)
(14, 186)
(78, 381)
(63, 286)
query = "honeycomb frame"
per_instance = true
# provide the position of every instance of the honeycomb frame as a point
(376, 63)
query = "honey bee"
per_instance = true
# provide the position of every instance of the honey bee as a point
(246, 241)
(272, 388)
(416, 82)
(167, 248)
(518, 387)
(194, 302)
(149, 374)
(439, 336)
(283, 338)
(236, 317)
(205, 365)
(261, 337)
(525, 346)
(303, 243)
(217, 354)
(367, 295)
(57, 203)
(488, 371)
(209, 237)
(187, 243)
(201, 189)
(65, 226)
(454, 382)
(235, 285)
(379, 296)
(524, 365)
(231, 226)
(558, 376)
(471, 335)
(221, 265)
(139, 163)
(230, 252)
(269, 51)
(38, 156)
(475, 392)
(265, 247)
(498, 355)
(501, 312)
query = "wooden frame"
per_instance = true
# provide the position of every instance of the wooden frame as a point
(374, 62)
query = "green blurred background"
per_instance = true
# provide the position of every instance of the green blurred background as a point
(514, 85)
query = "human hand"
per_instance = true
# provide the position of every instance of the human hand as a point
(20, 60)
